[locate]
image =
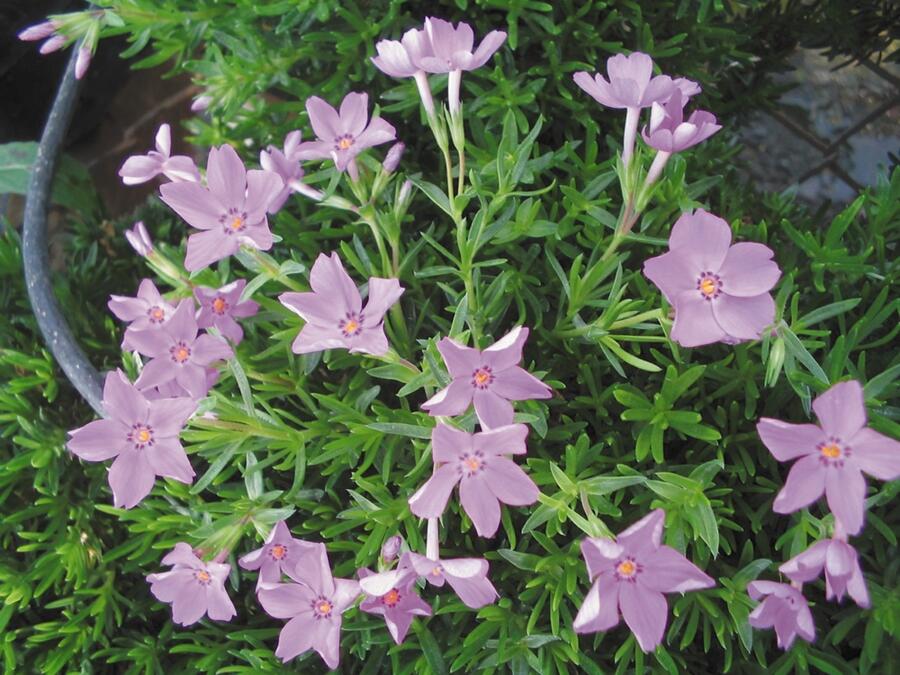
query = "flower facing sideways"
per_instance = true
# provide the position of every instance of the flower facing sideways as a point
(630, 575)
(720, 291)
(281, 554)
(491, 378)
(466, 576)
(486, 476)
(833, 455)
(842, 571)
(146, 311)
(221, 307)
(783, 607)
(231, 211)
(141, 168)
(393, 596)
(314, 610)
(143, 437)
(286, 164)
(333, 311)
(193, 587)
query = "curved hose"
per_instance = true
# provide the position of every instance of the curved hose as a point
(50, 320)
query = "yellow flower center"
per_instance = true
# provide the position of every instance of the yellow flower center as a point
(324, 607)
(481, 377)
(472, 464)
(391, 598)
(351, 326)
(436, 571)
(278, 551)
(182, 354)
(203, 576)
(143, 435)
(219, 305)
(237, 223)
(707, 287)
(157, 314)
(626, 568)
(831, 451)
(345, 143)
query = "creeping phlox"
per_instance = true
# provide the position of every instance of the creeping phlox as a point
(720, 292)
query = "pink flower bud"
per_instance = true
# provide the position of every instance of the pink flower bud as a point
(38, 31)
(83, 61)
(392, 159)
(53, 44)
(201, 103)
(139, 239)
(391, 548)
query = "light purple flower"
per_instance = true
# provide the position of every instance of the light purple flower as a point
(393, 596)
(221, 307)
(400, 59)
(466, 576)
(783, 607)
(630, 575)
(287, 165)
(343, 135)
(314, 609)
(687, 87)
(146, 311)
(491, 378)
(193, 587)
(140, 239)
(141, 168)
(231, 211)
(282, 554)
(178, 353)
(833, 455)
(391, 547)
(83, 61)
(143, 437)
(842, 571)
(486, 476)
(335, 318)
(720, 292)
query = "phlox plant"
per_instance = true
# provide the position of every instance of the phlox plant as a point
(347, 447)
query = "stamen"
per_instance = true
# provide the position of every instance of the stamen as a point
(156, 314)
(180, 352)
(482, 377)
(219, 305)
(709, 285)
(391, 598)
(278, 551)
(352, 325)
(203, 577)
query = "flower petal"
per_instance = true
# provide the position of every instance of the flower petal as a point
(600, 609)
(492, 410)
(329, 279)
(506, 440)
(804, 485)
(296, 637)
(194, 203)
(517, 384)
(509, 483)
(841, 410)
(668, 571)
(694, 323)
(788, 441)
(189, 606)
(122, 400)
(451, 400)
(702, 238)
(208, 349)
(672, 274)
(131, 478)
(382, 294)
(284, 601)
(600, 555)
(749, 270)
(226, 175)
(744, 318)
(262, 188)
(314, 338)
(168, 458)
(876, 454)
(354, 113)
(808, 565)
(645, 535)
(323, 119)
(218, 604)
(845, 490)
(489, 44)
(480, 504)
(98, 440)
(205, 248)
(646, 612)
(430, 500)
(461, 361)
(448, 443)
(507, 351)
(475, 591)
(313, 308)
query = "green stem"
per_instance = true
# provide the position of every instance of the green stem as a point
(271, 268)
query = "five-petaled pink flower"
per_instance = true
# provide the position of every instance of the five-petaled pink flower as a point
(314, 608)
(486, 476)
(221, 307)
(333, 311)
(466, 576)
(490, 377)
(193, 587)
(842, 571)
(833, 455)
(178, 353)
(141, 168)
(143, 437)
(231, 211)
(281, 554)
(393, 596)
(631, 574)
(343, 135)
(286, 163)
(720, 292)
(146, 311)
(783, 607)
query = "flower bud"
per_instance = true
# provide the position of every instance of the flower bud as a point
(391, 548)
(201, 103)
(139, 239)
(392, 159)
(38, 31)
(83, 61)
(53, 44)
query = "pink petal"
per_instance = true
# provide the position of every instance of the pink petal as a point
(313, 308)
(672, 274)
(744, 318)
(166, 586)
(262, 187)
(98, 440)
(190, 605)
(382, 294)
(785, 626)
(667, 571)
(183, 554)
(296, 637)
(284, 601)
(841, 410)
(230, 328)
(702, 238)
(645, 611)
(327, 641)
(164, 139)
(226, 175)
(788, 441)
(370, 341)
(694, 323)
(323, 119)
(345, 593)
(600, 609)
(749, 270)
(155, 373)
(448, 443)
(205, 248)
(876, 454)
(430, 500)
(856, 587)
(461, 361)
(329, 279)
(600, 554)
(660, 88)
(840, 561)
(507, 351)
(139, 169)
(193, 203)
(122, 400)
(314, 338)
(475, 592)
(354, 113)
(636, 66)
(393, 59)
(506, 440)
(509, 483)
(314, 150)
(183, 323)
(492, 410)
(808, 565)
(804, 623)
(805, 484)
(451, 400)
(490, 44)
(152, 342)
(480, 505)
(131, 478)
(845, 490)
(599, 89)
(379, 131)
(193, 378)
(125, 308)
(181, 168)
(517, 384)
(167, 458)
(645, 535)
(219, 605)
(257, 236)
(208, 349)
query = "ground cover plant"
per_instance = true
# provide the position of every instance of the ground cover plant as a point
(467, 380)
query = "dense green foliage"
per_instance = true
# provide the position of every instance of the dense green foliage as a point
(337, 444)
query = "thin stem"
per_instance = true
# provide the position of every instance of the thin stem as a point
(462, 172)
(448, 167)
(432, 545)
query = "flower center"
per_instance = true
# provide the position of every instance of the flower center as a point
(482, 377)
(180, 352)
(234, 221)
(156, 314)
(140, 436)
(352, 325)
(203, 577)
(471, 464)
(437, 571)
(709, 285)
(627, 569)
(343, 142)
(391, 598)
(278, 551)
(833, 452)
(219, 305)
(322, 608)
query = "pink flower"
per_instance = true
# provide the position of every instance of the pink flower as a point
(143, 437)
(401, 59)
(281, 554)
(141, 168)
(491, 378)
(335, 318)
(466, 576)
(833, 455)
(178, 354)
(193, 587)
(393, 596)
(287, 165)
(140, 239)
(231, 211)
(783, 607)
(314, 608)
(720, 292)
(486, 476)
(147, 311)
(842, 571)
(630, 575)
(343, 135)
(221, 307)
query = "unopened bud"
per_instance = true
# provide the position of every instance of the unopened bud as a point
(392, 159)
(139, 239)
(83, 61)
(391, 548)
(53, 44)
(38, 31)
(201, 103)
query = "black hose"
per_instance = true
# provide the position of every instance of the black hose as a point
(51, 322)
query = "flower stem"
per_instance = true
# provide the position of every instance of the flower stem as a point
(432, 546)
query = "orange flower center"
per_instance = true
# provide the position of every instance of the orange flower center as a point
(481, 377)
(324, 607)
(831, 451)
(351, 326)
(626, 568)
(472, 464)
(203, 576)
(219, 305)
(279, 551)
(707, 287)
(143, 435)
(391, 598)
(182, 354)
(237, 223)
(157, 314)
(345, 143)
(436, 570)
